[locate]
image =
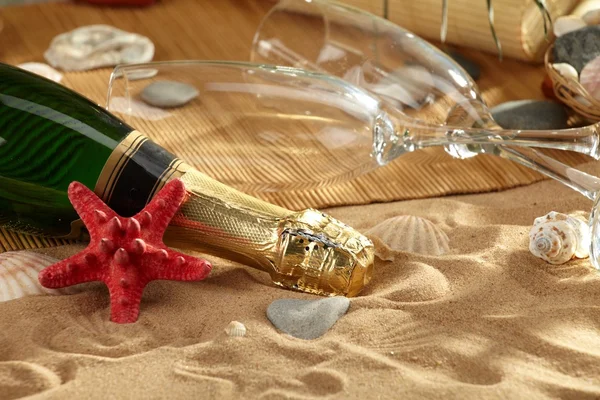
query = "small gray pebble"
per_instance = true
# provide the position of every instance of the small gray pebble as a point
(578, 47)
(307, 319)
(468, 65)
(531, 114)
(167, 94)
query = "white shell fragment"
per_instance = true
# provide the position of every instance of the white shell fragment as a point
(43, 70)
(98, 46)
(410, 234)
(566, 71)
(19, 275)
(567, 23)
(235, 329)
(558, 238)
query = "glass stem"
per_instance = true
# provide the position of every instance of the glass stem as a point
(583, 140)
(391, 142)
(586, 184)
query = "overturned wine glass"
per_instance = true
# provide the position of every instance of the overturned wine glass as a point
(266, 128)
(407, 73)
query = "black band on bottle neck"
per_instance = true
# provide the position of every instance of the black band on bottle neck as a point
(134, 172)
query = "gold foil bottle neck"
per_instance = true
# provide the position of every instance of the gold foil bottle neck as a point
(307, 251)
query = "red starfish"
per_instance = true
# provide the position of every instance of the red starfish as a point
(125, 253)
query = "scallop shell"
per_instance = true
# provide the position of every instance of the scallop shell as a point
(407, 233)
(235, 329)
(558, 238)
(19, 275)
(96, 46)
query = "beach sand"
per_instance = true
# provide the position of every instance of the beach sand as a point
(487, 320)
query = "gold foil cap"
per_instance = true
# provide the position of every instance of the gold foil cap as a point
(319, 254)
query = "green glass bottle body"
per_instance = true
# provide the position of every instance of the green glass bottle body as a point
(49, 137)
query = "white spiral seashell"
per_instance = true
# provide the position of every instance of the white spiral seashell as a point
(19, 275)
(235, 329)
(558, 238)
(407, 233)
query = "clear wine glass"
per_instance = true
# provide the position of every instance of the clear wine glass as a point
(417, 86)
(403, 70)
(264, 128)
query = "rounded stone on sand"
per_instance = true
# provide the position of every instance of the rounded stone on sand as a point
(168, 94)
(307, 319)
(531, 114)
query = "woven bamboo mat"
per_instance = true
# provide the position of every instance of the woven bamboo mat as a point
(223, 30)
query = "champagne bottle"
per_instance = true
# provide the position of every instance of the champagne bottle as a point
(51, 136)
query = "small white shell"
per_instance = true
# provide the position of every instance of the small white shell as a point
(96, 46)
(19, 275)
(407, 233)
(43, 70)
(235, 329)
(558, 238)
(566, 24)
(566, 71)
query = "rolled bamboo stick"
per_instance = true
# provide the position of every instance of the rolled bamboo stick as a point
(519, 23)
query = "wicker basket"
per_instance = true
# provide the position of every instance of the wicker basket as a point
(570, 92)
